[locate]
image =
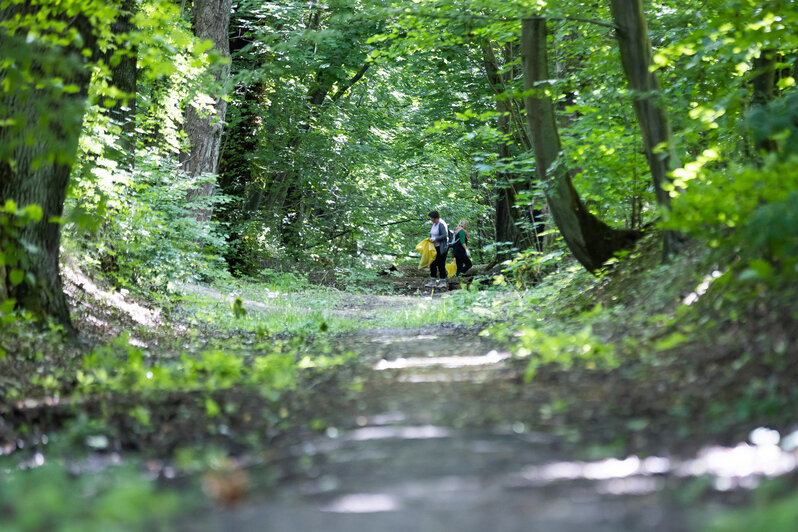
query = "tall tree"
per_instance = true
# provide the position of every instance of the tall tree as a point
(590, 240)
(121, 60)
(510, 128)
(764, 90)
(325, 46)
(636, 57)
(45, 84)
(204, 128)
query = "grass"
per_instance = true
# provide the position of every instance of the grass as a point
(269, 312)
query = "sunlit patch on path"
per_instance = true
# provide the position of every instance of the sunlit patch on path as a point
(436, 441)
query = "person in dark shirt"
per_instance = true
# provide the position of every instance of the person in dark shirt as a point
(462, 255)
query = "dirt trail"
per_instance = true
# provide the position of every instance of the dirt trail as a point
(439, 440)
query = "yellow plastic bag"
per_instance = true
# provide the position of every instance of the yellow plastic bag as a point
(427, 249)
(451, 269)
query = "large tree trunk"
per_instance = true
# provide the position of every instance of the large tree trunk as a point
(635, 50)
(590, 240)
(204, 131)
(37, 152)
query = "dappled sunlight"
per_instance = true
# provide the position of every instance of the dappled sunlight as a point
(400, 339)
(702, 288)
(360, 503)
(451, 362)
(139, 314)
(610, 468)
(738, 467)
(423, 432)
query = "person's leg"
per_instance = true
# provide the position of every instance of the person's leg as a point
(459, 260)
(433, 269)
(466, 264)
(442, 267)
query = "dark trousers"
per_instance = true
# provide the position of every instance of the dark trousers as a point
(438, 266)
(461, 259)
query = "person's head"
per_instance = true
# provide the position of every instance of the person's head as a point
(463, 223)
(434, 216)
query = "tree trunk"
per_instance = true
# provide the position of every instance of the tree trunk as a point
(123, 77)
(506, 222)
(590, 240)
(211, 21)
(764, 89)
(635, 50)
(37, 152)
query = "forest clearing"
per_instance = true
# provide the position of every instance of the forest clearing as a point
(384, 266)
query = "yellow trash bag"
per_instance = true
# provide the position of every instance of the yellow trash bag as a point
(451, 269)
(427, 249)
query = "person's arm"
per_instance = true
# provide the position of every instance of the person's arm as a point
(442, 233)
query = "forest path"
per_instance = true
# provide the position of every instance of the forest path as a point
(445, 436)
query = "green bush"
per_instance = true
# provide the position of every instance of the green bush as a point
(150, 236)
(50, 498)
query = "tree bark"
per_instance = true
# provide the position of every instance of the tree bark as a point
(635, 49)
(37, 152)
(204, 131)
(506, 229)
(508, 213)
(123, 77)
(764, 89)
(590, 240)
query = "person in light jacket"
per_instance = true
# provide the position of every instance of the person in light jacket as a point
(439, 235)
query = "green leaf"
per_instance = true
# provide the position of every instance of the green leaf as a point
(16, 276)
(35, 212)
(7, 305)
(211, 407)
(757, 269)
(670, 341)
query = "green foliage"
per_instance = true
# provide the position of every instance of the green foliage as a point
(128, 210)
(745, 209)
(15, 256)
(15, 251)
(284, 281)
(564, 350)
(775, 509)
(739, 201)
(151, 237)
(361, 281)
(49, 497)
(121, 366)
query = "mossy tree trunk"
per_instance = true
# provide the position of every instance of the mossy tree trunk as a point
(590, 240)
